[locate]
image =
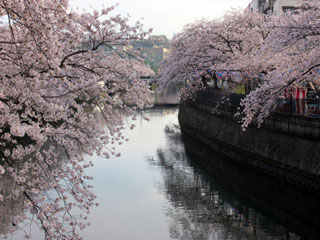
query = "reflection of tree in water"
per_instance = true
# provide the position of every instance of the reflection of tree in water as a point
(168, 95)
(201, 209)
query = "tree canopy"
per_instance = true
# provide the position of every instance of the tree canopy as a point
(55, 66)
(284, 50)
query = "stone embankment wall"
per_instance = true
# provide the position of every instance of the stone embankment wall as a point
(286, 148)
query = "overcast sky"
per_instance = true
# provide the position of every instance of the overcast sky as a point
(166, 16)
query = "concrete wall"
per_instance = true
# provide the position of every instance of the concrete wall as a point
(274, 149)
(280, 4)
(274, 7)
(270, 196)
(253, 6)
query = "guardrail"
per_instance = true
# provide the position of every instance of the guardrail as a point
(309, 107)
(215, 96)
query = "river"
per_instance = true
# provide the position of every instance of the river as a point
(156, 191)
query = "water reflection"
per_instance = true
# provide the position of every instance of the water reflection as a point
(167, 96)
(201, 208)
(168, 196)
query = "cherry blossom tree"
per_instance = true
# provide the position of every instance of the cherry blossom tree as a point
(275, 53)
(208, 47)
(292, 53)
(56, 65)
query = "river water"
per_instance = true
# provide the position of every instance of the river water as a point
(156, 191)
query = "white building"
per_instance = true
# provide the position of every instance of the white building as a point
(273, 7)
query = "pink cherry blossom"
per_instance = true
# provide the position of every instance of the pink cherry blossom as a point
(2, 170)
(56, 66)
(283, 49)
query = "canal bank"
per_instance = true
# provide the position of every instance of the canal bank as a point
(281, 150)
(257, 191)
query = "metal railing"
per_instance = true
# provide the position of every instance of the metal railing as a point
(211, 95)
(309, 107)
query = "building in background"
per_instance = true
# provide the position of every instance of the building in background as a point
(256, 6)
(154, 56)
(155, 49)
(273, 7)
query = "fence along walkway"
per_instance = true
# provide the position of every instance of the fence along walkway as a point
(308, 107)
